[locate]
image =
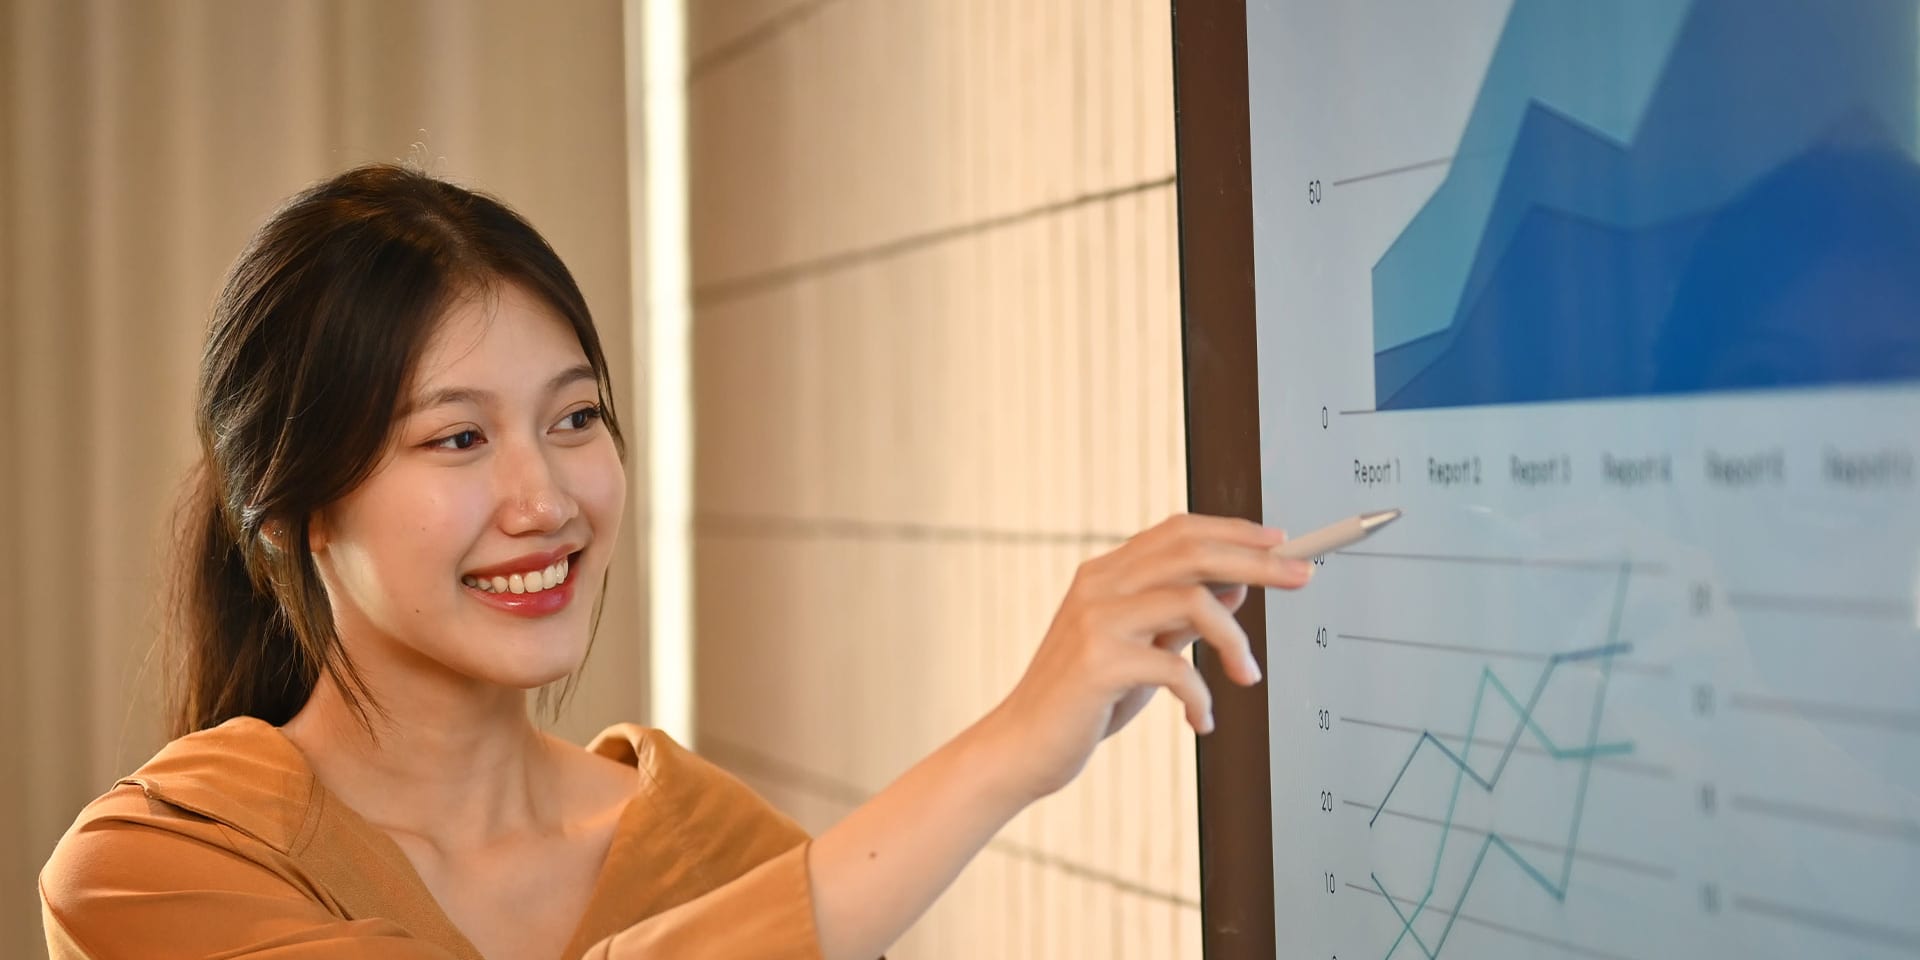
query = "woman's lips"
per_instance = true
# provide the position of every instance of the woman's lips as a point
(531, 561)
(541, 603)
(547, 602)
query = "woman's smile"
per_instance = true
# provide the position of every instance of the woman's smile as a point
(503, 475)
(532, 586)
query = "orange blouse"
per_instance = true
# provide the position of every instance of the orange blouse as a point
(225, 845)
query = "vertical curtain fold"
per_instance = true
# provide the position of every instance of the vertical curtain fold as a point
(140, 144)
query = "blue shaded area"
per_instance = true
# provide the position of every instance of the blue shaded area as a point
(1761, 230)
(1596, 61)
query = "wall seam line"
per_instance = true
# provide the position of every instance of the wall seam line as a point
(720, 291)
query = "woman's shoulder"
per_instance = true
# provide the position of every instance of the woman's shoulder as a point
(242, 774)
(672, 783)
(687, 829)
(660, 764)
(237, 792)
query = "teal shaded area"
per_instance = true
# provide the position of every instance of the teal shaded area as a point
(1598, 61)
(1756, 227)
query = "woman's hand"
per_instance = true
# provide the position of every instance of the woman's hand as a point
(1122, 631)
(1118, 637)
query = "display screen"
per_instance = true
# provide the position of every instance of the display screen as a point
(1620, 303)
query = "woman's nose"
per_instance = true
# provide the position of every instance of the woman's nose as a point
(532, 498)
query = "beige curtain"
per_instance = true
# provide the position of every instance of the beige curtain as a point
(140, 143)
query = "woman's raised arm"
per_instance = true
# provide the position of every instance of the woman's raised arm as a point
(1118, 636)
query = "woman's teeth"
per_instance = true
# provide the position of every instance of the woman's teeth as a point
(531, 582)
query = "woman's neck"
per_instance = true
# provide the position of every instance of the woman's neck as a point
(459, 768)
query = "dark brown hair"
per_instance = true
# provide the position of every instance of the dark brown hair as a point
(313, 340)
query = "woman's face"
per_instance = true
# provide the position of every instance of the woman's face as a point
(478, 544)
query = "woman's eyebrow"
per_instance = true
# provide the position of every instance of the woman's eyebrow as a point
(571, 376)
(474, 395)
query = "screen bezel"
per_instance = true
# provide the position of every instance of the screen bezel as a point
(1222, 391)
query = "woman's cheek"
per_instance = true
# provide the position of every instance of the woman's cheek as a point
(601, 488)
(445, 520)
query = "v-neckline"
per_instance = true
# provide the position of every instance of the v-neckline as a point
(424, 905)
(623, 832)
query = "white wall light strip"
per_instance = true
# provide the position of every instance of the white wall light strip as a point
(656, 75)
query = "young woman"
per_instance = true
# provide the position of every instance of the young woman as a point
(407, 504)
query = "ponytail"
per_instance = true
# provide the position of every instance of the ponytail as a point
(236, 651)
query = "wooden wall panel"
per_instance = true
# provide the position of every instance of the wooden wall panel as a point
(937, 366)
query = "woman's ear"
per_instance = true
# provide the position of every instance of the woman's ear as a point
(317, 532)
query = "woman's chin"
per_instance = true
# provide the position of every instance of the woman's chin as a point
(533, 677)
(529, 667)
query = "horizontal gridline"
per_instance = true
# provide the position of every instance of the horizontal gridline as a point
(1866, 608)
(1600, 565)
(1620, 764)
(821, 786)
(1542, 939)
(1897, 828)
(1835, 923)
(1886, 718)
(1631, 865)
(830, 528)
(1629, 666)
(721, 291)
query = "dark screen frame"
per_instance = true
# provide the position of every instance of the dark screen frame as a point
(1214, 185)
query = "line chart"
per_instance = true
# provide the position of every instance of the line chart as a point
(1464, 772)
(1615, 303)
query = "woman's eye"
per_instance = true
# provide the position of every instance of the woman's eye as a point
(582, 418)
(464, 440)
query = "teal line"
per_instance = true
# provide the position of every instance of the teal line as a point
(1585, 755)
(1406, 925)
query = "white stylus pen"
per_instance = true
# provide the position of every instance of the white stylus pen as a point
(1333, 536)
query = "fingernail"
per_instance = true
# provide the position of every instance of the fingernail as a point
(1255, 669)
(1206, 723)
(1304, 568)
